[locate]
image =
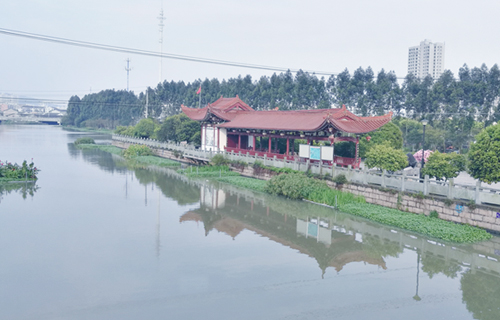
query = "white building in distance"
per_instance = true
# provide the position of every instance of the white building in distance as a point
(426, 59)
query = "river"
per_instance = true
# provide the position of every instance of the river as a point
(99, 238)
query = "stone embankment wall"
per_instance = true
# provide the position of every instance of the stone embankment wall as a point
(480, 216)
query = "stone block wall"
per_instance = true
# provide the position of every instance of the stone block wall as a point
(480, 216)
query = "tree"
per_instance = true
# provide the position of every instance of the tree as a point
(444, 165)
(383, 156)
(388, 134)
(145, 128)
(180, 128)
(484, 155)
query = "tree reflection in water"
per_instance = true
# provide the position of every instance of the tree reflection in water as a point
(332, 238)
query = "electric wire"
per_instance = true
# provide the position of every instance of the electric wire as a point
(99, 46)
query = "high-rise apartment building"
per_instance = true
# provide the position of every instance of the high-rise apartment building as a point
(426, 59)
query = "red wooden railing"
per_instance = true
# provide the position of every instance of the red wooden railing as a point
(341, 161)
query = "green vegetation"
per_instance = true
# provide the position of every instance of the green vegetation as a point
(444, 165)
(157, 161)
(433, 214)
(208, 172)
(219, 160)
(105, 109)
(106, 148)
(383, 156)
(85, 140)
(259, 167)
(244, 182)
(136, 150)
(145, 128)
(299, 186)
(15, 172)
(419, 223)
(340, 179)
(484, 155)
(389, 135)
(180, 128)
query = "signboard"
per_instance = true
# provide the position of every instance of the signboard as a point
(315, 153)
(326, 153)
(304, 151)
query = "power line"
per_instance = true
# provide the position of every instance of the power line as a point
(92, 45)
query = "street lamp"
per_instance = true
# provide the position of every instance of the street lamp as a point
(424, 122)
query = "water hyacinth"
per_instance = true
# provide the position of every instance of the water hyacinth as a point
(13, 172)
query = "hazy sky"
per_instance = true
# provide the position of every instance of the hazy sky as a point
(320, 35)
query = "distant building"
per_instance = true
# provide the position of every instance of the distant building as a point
(426, 59)
(32, 109)
(10, 113)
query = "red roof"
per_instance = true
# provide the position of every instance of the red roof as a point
(223, 108)
(235, 114)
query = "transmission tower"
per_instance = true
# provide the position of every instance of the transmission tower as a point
(127, 68)
(161, 18)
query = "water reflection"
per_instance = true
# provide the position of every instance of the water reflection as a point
(25, 189)
(333, 239)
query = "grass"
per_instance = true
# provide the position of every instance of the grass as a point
(71, 128)
(106, 148)
(208, 172)
(244, 182)
(157, 161)
(432, 227)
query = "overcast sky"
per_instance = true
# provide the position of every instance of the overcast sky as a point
(319, 35)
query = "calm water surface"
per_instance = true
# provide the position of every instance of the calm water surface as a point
(97, 238)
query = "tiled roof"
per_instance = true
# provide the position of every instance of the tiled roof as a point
(223, 108)
(296, 120)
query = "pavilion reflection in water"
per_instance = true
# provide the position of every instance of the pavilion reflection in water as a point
(329, 244)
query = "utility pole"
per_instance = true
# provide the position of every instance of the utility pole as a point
(147, 102)
(128, 70)
(161, 18)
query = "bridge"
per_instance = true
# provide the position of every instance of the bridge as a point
(41, 119)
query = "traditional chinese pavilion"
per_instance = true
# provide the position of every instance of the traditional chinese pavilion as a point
(232, 125)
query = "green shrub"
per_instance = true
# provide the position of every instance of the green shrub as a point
(433, 214)
(137, 150)
(299, 186)
(219, 160)
(444, 165)
(340, 179)
(84, 141)
(383, 156)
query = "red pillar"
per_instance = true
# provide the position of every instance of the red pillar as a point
(276, 146)
(269, 145)
(287, 146)
(239, 141)
(254, 140)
